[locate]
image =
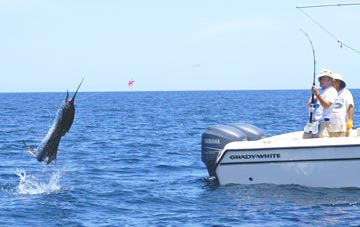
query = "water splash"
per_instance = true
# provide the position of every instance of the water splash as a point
(31, 185)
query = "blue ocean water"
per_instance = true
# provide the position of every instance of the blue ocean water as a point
(133, 159)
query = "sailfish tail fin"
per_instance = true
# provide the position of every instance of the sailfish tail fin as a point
(29, 149)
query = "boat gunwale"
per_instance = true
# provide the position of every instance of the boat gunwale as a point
(313, 149)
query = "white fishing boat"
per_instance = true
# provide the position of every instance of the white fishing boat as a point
(240, 154)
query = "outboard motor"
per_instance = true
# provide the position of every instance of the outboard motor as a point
(214, 140)
(216, 137)
(252, 132)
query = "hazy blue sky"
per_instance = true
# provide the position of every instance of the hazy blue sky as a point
(48, 45)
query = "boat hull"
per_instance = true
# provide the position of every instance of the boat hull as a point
(325, 162)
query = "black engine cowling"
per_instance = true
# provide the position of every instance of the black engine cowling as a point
(216, 137)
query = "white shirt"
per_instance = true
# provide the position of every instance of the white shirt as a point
(339, 115)
(345, 96)
(329, 93)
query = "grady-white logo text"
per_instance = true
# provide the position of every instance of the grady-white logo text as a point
(254, 156)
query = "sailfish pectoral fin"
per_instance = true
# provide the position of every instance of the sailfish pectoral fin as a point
(30, 150)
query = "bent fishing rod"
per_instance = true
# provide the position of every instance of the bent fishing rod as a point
(313, 51)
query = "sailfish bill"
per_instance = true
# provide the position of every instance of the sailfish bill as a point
(61, 125)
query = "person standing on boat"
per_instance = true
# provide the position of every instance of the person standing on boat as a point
(324, 97)
(343, 109)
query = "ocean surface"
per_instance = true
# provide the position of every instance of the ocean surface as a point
(133, 159)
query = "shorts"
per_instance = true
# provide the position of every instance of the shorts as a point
(323, 132)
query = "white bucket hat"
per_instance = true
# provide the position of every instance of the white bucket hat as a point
(325, 72)
(337, 76)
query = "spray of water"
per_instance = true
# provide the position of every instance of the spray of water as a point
(31, 185)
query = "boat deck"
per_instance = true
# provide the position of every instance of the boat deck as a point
(295, 139)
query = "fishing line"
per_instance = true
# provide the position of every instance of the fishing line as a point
(326, 5)
(326, 30)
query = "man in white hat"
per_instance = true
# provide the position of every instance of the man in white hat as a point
(321, 108)
(343, 109)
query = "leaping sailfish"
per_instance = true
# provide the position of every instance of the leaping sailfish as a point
(62, 124)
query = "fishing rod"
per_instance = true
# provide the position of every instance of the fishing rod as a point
(313, 51)
(328, 5)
